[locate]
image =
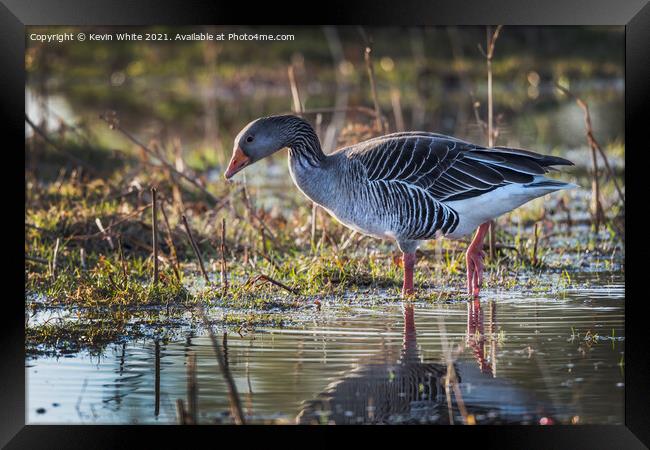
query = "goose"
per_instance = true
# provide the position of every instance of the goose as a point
(408, 186)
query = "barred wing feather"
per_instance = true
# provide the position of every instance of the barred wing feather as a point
(447, 168)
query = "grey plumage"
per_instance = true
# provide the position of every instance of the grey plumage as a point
(409, 186)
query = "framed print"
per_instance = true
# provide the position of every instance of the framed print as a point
(408, 214)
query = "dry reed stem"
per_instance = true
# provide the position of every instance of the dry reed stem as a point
(82, 257)
(319, 125)
(535, 241)
(251, 212)
(154, 233)
(313, 218)
(54, 257)
(114, 124)
(125, 273)
(295, 95)
(594, 146)
(170, 242)
(102, 231)
(477, 115)
(373, 89)
(298, 108)
(224, 272)
(396, 102)
(197, 251)
(491, 41)
(342, 93)
(266, 278)
(56, 147)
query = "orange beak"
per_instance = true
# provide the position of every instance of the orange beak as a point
(237, 163)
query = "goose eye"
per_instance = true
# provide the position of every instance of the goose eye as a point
(249, 139)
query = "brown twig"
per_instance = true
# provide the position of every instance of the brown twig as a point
(195, 247)
(562, 205)
(154, 234)
(535, 241)
(56, 147)
(396, 102)
(170, 242)
(249, 207)
(297, 104)
(268, 279)
(114, 124)
(298, 108)
(314, 216)
(224, 273)
(373, 89)
(102, 230)
(266, 257)
(125, 272)
(492, 133)
(111, 279)
(491, 39)
(342, 93)
(475, 106)
(594, 146)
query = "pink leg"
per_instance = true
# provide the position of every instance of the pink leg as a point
(409, 262)
(474, 259)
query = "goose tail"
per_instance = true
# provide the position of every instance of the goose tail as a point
(549, 185)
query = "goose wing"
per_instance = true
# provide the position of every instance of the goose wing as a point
(447, 168)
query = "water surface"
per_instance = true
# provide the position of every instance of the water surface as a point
(520, 358)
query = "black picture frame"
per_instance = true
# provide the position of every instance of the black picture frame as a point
(633, 14)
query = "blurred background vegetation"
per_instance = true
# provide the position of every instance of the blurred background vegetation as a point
(202, 93)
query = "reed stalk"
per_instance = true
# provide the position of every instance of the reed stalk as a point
(224, 272)
(379, 125)
(197, 251)
(154, 233)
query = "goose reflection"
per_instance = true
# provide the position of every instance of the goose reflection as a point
(382, 392)
(410, 390)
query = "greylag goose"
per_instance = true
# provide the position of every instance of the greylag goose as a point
(409, 187)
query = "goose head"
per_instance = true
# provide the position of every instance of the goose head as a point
(257, 140)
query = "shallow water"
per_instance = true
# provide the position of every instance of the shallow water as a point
(520, 358)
